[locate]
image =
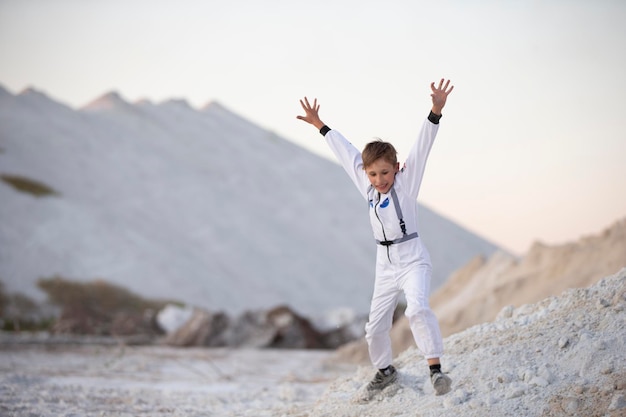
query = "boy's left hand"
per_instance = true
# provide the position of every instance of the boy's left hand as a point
(440, 95)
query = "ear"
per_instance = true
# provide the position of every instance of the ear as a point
(397, 166)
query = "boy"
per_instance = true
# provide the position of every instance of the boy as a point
(402, 261)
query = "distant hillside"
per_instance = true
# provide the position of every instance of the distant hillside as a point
(198, 205)
(478, 292)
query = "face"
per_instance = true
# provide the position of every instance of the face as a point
(381, 174)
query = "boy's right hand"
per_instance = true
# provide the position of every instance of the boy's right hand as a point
(311, 115)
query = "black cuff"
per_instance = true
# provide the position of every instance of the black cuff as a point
(434, 118)
(324, 130)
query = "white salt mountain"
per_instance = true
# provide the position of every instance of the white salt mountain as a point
(200, 206)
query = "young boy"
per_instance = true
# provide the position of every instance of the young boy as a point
(402, 261)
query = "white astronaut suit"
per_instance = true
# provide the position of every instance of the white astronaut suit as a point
(402, 261)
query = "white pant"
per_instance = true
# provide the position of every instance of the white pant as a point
(414, 281)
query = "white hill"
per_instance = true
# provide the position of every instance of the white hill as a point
(200, 206)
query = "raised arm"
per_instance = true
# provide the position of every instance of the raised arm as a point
(418, 155)
(348, 156)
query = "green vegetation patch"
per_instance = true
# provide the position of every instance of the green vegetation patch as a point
(27, 185)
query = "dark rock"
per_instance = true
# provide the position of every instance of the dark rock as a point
(292, 331)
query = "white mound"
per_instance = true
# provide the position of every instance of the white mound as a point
(562, 356)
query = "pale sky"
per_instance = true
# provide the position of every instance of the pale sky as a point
(532, 145)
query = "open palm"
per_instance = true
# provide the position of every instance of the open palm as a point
(440, 94)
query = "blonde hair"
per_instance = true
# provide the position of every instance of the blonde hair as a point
(378, 149)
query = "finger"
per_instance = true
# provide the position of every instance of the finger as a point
(450, 90)
(445, 87)
(432, 86)
(440, 83)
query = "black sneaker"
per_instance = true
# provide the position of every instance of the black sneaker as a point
(382, 379)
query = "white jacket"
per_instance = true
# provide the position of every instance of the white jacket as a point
(383, 216)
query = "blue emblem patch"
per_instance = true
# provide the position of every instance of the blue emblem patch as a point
(385, 203)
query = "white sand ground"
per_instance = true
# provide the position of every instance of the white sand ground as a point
(96, 380)
(563, 356)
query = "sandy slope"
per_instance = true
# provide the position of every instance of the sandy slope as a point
(476, 293)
